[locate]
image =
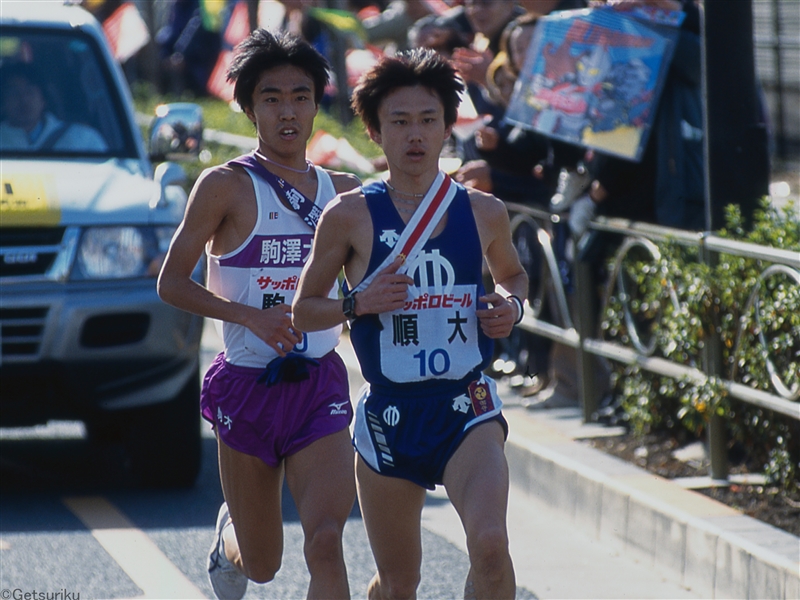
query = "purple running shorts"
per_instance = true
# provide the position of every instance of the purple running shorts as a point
(275, 422)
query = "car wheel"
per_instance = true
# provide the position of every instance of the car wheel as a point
(164, 444)
(161, 443)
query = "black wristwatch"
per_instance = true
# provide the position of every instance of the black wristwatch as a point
(349, 306)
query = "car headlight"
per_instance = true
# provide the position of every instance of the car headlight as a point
(121, 252)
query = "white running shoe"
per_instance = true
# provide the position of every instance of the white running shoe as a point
(229, 583)
(571, 184)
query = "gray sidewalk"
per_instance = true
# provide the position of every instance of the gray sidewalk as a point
(708, 547)
(704, 545)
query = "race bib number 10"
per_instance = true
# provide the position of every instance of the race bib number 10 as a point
(435, 336)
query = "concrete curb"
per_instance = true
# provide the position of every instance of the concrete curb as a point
(708, 546)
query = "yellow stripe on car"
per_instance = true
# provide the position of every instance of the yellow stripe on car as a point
(28, 200)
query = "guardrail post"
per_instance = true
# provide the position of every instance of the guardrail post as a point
(585, 289)
(712, 359)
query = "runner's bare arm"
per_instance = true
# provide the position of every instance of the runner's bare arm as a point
(344, 182)
(211, 202)
(334, 248)
(312, 309)
(510, 278)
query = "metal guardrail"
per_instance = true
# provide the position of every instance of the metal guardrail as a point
(583, 335)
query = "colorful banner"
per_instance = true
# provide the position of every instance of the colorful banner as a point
(343, 21)
(213, 13)
(593, 77)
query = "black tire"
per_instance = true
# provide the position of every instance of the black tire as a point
(162, 444)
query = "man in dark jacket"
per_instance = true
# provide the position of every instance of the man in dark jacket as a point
(667, 186)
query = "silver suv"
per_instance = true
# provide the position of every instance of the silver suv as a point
(85, 221)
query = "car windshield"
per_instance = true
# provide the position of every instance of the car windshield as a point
(58, 98)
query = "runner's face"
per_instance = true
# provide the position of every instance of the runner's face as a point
(283, 110)
(412, 129)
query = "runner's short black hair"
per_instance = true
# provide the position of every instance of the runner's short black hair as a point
(420, 66)
(263, 50)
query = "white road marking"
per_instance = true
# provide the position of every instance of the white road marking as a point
(137, 555)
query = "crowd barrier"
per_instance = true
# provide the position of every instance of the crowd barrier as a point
(581, 330)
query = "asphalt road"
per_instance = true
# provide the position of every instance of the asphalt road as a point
(70, 528)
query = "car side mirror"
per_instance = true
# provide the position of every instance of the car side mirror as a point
(176, 132)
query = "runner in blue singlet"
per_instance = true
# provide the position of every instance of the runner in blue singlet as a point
(422, 327)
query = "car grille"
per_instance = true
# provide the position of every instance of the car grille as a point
(21, 331)
(32, 253)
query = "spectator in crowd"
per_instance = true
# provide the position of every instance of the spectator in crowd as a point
(443, 33)
(392, 24)
(487, 19)
(187, 48)
(522, 150)
(28, 125)
(667, 186)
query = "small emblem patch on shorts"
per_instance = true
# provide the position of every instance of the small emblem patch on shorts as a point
(481, 396)
(337, 408)
(391, 415)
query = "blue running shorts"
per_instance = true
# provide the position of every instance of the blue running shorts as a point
(414, 436)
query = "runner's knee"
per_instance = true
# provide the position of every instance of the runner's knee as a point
(488, 550)
(324, 544)
(262, 570)
(399, 585)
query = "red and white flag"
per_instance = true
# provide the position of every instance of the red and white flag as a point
(126, 31)
(236, 30)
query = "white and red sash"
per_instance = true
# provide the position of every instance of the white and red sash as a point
(419, 229)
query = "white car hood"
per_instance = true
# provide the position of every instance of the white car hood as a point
(76, 192)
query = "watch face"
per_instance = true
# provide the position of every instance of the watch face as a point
(349, 307)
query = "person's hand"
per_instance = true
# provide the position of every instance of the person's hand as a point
(387, 292)
(497, 321)
(472, 64)
(487, 139)
(435, 38)
(274, 326)
(476, 174)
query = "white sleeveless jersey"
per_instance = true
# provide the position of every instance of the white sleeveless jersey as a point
(264, 272)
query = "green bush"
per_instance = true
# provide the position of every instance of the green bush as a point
(679, 303)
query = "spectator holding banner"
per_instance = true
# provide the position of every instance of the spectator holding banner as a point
(667, 186)
(516, 152)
